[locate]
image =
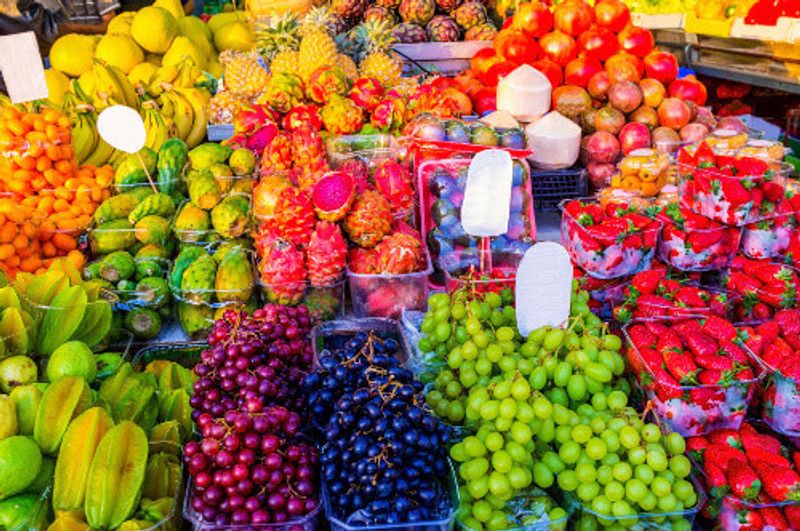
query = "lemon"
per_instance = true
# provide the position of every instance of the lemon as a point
(154, 28)
(120, 51)
(173, 6)
(72, 54)
(121, 24)
(73, 358)
(57, 85)
(234, 36)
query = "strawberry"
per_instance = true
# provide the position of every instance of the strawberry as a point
(770, 330)
(773, 355)
(707, 399)
(697, 242)
(651, 358)
(719, 304)
(750, 166)
(726, 437)
(709, 377)
(767, 272)
(647, 282)
(719, 328)
(773, 293)
(701, 345)
(695, 446)
(722, 455)
(574, 208)
(757, 454)
(734, 192)
(792, 513)
(639, 221)
(717, 482)
(669, 341)
(773, 517)
(684, 328)
(749, 520)
(656, 327)
(691, 297)
(590, 245)
(634, 241)
(751, 437)
(641, 336)
(681, 366)
(743, 480)
(742, 283)
(604, 234)
(773, 192)
(780, 483)
(789, 322)
(666, 386)
(732, 351)
(704, 155)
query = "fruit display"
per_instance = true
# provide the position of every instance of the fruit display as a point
(608, 242)
(771, 237)
(697, 374)
(643, 170)
(763, 286)
(458, 135)
(441, 183)
(692, 242)
(657, 294)
(750, 478)
(732, 189)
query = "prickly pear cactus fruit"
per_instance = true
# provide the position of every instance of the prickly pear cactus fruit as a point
(153, 205)
(116, 235)
(195, 319)
(207, 154)
(115, 207)
(186, 258)
(62, 401)
(229, 218)
(130, 172)
(204, 190)
(191, 223)
(234, 280)
(152, 230)
(116, 477)
(172, 159)
(75, 458)
(197, 283)
(119, 265)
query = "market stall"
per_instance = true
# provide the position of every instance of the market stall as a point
(427, 264)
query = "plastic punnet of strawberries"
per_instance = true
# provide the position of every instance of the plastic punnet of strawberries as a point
(608, 242)
(752, 478)
(769, 238)
(653, 294)
(692, 242)
(697, 374)
(776, 344)
(764, 287)
(730, 189)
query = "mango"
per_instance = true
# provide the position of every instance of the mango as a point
(63, 400)
(20, 460)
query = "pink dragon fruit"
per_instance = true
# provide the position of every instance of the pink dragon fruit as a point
(366, 92)
(325, 82)
(393, 181)
(251, 118)
(261, 138)
(357, 169)
(388, 116)
(302, 115)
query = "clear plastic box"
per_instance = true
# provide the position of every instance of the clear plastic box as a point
(369, 148)
(757, 304)
(769, 238)
(463, 270)
(384, 295)
(733, 510)
(644, 310)
(693, 409)
(322, 334)
(697, 249)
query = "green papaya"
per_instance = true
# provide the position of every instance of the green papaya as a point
(230, 217)
(153, 205)
(197, 282)
(143, 323)
(130, 172)
(172, 159)
(186, 257)
(207, 154)
(235, 279)
(119, 265)
(117, 235)
(191, 223)
(204, 191)
(152, 230)
(195, 319)
(115, 207)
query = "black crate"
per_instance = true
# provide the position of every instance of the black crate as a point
(550, 187)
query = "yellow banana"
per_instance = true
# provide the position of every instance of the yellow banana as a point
(187, 74)
(167, 105)
(198, 102)
(163, 80)
(107, 90)
(156, 125)
(102, 153)
(131, 99)
(84, 135)
(183, 117)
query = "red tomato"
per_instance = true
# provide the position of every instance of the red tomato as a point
(534, 19)
(498, 72)
(485, 101)
(483, 60)
(558, 47)
(598, 43)
(638, 41)
(551, 70)
(516, 47)
(612, 14)
(573, 17)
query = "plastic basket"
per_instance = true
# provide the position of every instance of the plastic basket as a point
(384, 295)
(550, 187)
(186, 354)
(327, 335)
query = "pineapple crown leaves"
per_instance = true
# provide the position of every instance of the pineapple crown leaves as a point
(320, 17)
(281, 33)
(368, 37)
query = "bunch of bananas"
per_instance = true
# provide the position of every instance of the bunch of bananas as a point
(187, 107)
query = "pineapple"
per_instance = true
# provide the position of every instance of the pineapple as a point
(369, 220)
(375, 40)
(316, 49)
(383, 67)
(282, 33)
(285, 62)
(348, 66)
(223, 106)
(323, 17)
(326, 255)
(243, 74)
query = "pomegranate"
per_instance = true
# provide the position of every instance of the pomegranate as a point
(598, 86)
(634, 136)
(498, 72)
(706, 117)
(661, 65)
(689, 89)
(600, 174)
(653, 92)
(598, 43)
(600, 146)
(693, 132)
(625, 96)
(580, 70)
(558, 47)
(674, 113)
(612, 15)
(609, 119)
(636, 40)
(483, 60)
(645, 115)
(588, 119)
(666, 140)
(551, 70)
(573, 17)
(623, 66)
(534, 19)
(733, 123)
(571, 101)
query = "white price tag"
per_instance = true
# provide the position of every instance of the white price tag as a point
(122, 128)
(543, 287)
(487, 195)
(22, 68)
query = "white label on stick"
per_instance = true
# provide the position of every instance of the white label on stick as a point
(22, 68)
(487, 195)
(543, 287)
(122, 127)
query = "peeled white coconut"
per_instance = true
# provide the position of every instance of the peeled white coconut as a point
(525, 93)
(555, 141)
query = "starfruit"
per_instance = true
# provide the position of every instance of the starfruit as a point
(14, 331)
(9, 426)
(135, 525)
(61, 319)
(174, 376)
(43, 288)
(26, 399)
(69, 521)
(95, 324)
(63, 400)
(163, 477)
(9, 297)
(137, 400)
(156, 367)
(112, 387)
(176, 406)
(116, 477)
(156, 510)
(166, 437)
(75, 457)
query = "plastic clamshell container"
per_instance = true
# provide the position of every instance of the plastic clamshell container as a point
(698, 249)
(324, 302)
(780, 401)
(644, 309)
(444, 524)
(724, 407)
(768, 238)
(613, 261)
(369, 148)
(441, 185)
(384, 295)
(186, 354)
(643, 171)
(732, 508)
(743, 307)
(586, 518)
(458, 276)
(324, 334)
(309, 522)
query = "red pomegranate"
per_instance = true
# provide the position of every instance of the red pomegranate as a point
(609, 119)
(662, 66)
(693, 132)
(571, 101)
(534, 19)
(645, 115)
(636, 40)
(573, 17)
(613, 15)
(601, 147)
(689, 89)
(634, 136)
(653, 92)
(625, 96)
(580, 70)
(598, 86)
(598, 43)
(558, 47)
(623, 66)
(674, 113)
(551, 70)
